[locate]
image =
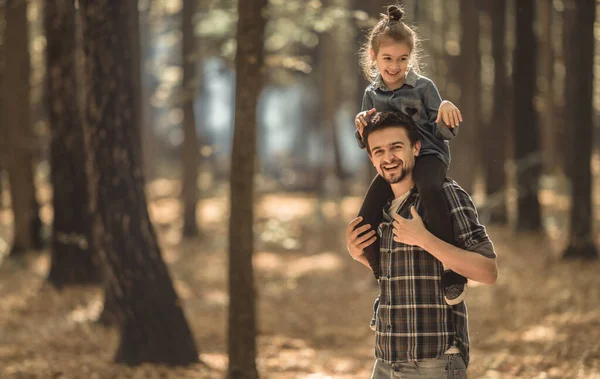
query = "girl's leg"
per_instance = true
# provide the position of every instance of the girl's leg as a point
(371, 211)
(429, 174)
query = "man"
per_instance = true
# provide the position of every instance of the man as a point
(418, 334)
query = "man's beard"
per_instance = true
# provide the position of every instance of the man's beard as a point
(393, 178)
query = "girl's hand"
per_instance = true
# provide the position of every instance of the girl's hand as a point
(449, 114)
(360, 121)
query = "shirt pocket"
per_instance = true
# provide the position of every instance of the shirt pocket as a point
(412, 108)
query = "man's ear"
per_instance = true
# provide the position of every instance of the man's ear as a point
(417, 148)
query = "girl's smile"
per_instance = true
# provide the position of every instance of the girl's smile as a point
(392, 62)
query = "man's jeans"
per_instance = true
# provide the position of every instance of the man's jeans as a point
(449, 366)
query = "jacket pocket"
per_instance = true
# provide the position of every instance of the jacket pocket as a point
(412, 108)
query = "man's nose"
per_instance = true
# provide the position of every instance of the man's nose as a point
(388, 157)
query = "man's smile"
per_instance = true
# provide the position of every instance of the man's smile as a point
(390, 166)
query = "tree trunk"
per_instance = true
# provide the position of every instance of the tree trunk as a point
(109, 314)
(329, 59)
(562, 136)
(73, 260)
(16, 118)
(152, 324)
(579, 55)
(136, 70)
(147, 125)
(495, 133)
(465, 151)
(439, 71)
(191, 148)
(110, 308)
(525, 126)
(242, 312)
(545, 86)
(139, 37)
(4, 130)
(1, 174)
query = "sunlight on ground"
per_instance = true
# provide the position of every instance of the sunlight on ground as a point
(46, 214)
(184, 290)
(216, 361)
(285, 208)
(215, 297)
(171, 255)
(330, 209)
(164, 211)
(171, 237)
(87, 313)
(542, 333)
(551, 198)
(276, 231)
(162, 187)
(6, 216)
(213, 211)
(3, 247)
(540, 321)
(325, 262)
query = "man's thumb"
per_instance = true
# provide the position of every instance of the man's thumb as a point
(414, 212)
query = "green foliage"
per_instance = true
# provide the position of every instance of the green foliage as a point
(292, 31)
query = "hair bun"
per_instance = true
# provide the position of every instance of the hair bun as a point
(394, 13)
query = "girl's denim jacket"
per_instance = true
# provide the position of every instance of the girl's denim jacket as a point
(418, 97)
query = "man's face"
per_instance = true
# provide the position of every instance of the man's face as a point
(392, 154)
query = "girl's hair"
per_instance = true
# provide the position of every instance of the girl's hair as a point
(390, 26)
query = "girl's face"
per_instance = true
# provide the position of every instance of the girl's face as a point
(392, 62)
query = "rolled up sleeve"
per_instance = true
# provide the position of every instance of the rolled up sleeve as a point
(470, 234)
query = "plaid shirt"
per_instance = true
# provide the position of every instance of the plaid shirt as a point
(414, 322)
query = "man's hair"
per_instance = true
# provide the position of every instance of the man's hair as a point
(383, 120)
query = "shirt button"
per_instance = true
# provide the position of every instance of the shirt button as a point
(389, 327)
(389, 277)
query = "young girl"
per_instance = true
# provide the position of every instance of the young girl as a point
(389, 59)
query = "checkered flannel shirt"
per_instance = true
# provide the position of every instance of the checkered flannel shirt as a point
(414, 322)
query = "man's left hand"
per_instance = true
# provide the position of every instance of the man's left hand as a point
(410, 232)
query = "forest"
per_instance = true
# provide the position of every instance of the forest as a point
(177, 177)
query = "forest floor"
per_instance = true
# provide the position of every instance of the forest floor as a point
(541, 319)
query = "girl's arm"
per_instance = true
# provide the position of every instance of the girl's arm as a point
(443, 114)
(367, 104)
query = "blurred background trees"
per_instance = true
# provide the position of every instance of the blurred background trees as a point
(109, 109)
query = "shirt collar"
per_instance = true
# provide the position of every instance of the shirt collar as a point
(409, 199)
(411, 80)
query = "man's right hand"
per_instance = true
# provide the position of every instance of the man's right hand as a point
(360, 121)
(356, 240)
